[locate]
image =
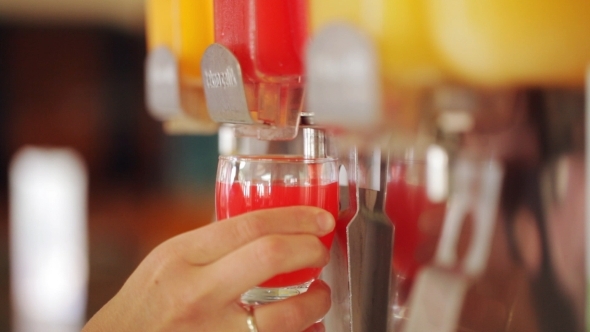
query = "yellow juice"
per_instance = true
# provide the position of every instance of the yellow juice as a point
(196, 34)
(160, 28)
(408, 52)
(185, 26)
(195, 22)
(409, 62)
(400, 30)
(513, 43)
(329, 11)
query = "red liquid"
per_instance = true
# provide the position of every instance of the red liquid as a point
(404, 204)
(230, 18)
(282, 33)
(267, 36)
(235, 199)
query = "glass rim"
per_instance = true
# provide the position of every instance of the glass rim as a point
(278, 159)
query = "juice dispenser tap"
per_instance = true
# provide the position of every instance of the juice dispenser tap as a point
(254, 71)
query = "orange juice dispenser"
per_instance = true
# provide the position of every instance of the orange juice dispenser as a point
(369, 67)
(177, 33)
(541, 58)
(490, 96)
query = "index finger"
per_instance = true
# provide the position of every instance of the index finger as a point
(207, 244)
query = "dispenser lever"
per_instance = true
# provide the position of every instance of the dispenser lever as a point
(224, 87)
(370, 248)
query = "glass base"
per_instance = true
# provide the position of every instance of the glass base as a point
(262, 295)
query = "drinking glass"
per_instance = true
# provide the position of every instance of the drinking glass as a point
(406, 201)
(248, 183)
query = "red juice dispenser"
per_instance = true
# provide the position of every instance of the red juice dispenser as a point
(267, 39)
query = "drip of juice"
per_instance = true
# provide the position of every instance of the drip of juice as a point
(405, 202)
(237, 198)
(514, 43)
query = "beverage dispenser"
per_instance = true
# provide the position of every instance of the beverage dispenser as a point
(459, 132)
(480, 93)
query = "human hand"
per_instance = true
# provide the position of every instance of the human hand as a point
(192, 282)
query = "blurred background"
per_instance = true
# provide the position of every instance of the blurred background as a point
(71, 75)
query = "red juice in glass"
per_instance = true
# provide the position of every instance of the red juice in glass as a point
(405, 202)
(239, 198)
(248, 183)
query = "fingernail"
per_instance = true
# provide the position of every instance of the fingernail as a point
(325, 221)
